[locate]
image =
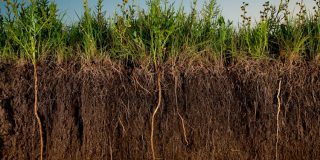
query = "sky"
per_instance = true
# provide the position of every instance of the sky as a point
(230, 8)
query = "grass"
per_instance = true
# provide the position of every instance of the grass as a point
(159, 32)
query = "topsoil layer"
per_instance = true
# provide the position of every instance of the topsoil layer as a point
(102, 110)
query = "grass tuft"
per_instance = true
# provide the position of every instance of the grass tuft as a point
(159, 31)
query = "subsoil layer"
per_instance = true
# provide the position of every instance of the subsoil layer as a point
(102, 110)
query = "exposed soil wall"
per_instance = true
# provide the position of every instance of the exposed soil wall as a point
(103, 110)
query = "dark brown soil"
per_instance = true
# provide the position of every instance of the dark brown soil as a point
(102, 110)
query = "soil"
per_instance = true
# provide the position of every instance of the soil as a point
(102, 110)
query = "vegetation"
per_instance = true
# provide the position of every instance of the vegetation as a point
(35, 30)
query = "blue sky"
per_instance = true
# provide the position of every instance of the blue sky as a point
(230, 8)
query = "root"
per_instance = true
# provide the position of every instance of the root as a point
(35, 71)
(140, 85)
(154, 115)
(123, 128)
(110, 149)
(278, 114)
(181, 118)
(184, 129)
